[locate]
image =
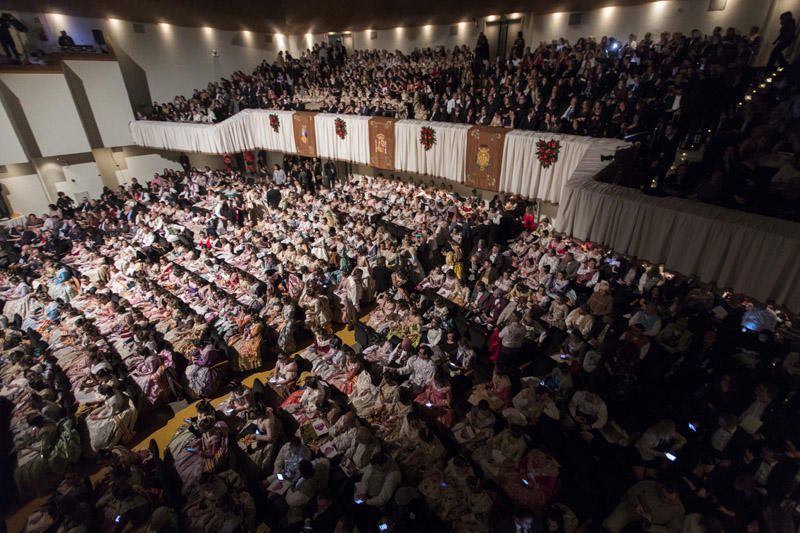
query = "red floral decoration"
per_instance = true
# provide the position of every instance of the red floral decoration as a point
(427, 137)
(547, 152)
(341, 128)
(274, 123)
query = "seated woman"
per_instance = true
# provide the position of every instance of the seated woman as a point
(434, 280)
(344, 378)
(437, 399)
(150, 371)
(205, 371)
(326, 355)
(450, 288)
(247, 344)
(219, 503)
(363, 394)
(111, 421)
(258, 439)
(384, 315)
(43, 450)
(285, 325)
(502, 451)
(421, 452)
(239, 403)
(396, 427)
(496, 392)
(410, 328)
(476, 427)
(532, 483)
(445, 488)
(284, 376)
(309, 402)
(535, 400)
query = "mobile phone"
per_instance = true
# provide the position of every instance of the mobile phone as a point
(525, 482)
(279, 476)
(359, 501)
(118, 518)
(692, 427)
(541, 383)
(383, 526)
(428, 404)
(563, 356)
(670, 456)
(190, 449)
(443, 484)
(453, 365)
(258, 431)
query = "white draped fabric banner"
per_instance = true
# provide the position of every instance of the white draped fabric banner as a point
(753, 254)
(354, 147)
(523, 174)
(445, 159)
(247, 130)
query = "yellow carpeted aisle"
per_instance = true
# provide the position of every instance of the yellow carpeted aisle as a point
(163, 435)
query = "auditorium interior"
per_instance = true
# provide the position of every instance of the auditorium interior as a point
(388, 267)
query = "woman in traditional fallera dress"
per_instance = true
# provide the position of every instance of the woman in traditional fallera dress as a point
(248, 345)
(111, 421)
(205, 371)
(437, 397)
(258, 439)
(149, 372)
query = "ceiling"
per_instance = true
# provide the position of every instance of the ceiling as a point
(301, 16)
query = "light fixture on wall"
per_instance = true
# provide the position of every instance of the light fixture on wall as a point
(492, 18)
(717, 5)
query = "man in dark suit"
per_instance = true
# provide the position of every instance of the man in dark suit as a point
(273, 197)
(330, 173)
(382, 275)
(437, 114)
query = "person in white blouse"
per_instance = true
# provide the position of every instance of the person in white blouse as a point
(588, 411)
(381, 478)
(419, 368)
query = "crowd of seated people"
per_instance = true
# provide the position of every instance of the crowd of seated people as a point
(602, 88)
(750, 160)
(505, 376)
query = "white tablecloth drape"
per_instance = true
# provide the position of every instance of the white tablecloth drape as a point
(354, 147)
(753, 254)
(523, 174)
(247, 130)
(445, 159)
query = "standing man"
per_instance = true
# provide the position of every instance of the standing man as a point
(786, 36)
(353, 291)
(330, 173)
(7, 20)
(278, 176)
